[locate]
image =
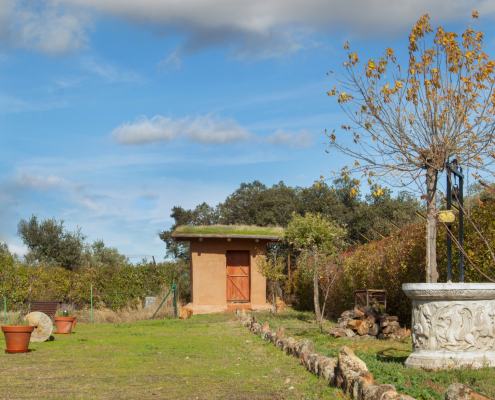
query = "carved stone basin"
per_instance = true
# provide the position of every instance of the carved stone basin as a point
(453, 324)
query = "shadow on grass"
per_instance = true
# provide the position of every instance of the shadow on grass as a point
(382, 356)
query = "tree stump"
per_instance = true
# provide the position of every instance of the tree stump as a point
(43, 326)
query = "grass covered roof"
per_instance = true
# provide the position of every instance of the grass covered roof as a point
(228, 230)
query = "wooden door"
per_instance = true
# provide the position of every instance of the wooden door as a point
(238, 275)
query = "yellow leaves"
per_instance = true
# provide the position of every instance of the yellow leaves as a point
(476, 14)
(353, 192)
(368, 126)
(480, 203)
(344, 97)
(389, 53)
(346, 46)
(478, 159)
(332, 92)
(468, 54)
(371, 65)
(356, 182)
(378, 192)
(333, 137)
(356, 164)
(398, 85)
(412, 71)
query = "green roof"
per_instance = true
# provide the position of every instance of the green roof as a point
(228, 230)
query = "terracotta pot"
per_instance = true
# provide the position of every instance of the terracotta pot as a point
(17, 338)
(64, 324)
(74, 322)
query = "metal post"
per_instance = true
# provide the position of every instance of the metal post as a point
(91, 303)
(449, 240)
(163, 301)
(461, 225)
(175, 300)
(5, 309)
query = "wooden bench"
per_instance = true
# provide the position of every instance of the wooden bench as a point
(47, 307)
(371, 296)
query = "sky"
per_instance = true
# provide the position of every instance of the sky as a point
(112, 112)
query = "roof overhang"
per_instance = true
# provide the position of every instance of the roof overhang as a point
(187, 237)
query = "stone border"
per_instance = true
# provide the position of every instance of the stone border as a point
(346, 371)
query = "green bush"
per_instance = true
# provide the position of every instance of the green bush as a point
(113, 286)
(400, 258)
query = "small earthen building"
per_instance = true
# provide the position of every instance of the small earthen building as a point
(224, 272)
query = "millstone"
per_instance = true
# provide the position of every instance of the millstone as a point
(43, 326)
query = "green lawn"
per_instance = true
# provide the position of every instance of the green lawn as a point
(384, 359)
(206, 357)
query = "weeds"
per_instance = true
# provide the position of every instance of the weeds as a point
(132, 314)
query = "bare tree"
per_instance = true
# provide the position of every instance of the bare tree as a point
(408, 121)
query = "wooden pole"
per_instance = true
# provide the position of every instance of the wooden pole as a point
(288, 259)
(29, 300)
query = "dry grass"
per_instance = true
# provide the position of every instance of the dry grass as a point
(132, 314)
(231, 229)
(14, 318)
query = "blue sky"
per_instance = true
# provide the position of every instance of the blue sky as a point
(112, 112)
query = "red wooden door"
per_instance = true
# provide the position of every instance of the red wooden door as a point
(237, 275)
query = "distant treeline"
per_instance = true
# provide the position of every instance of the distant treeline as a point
(256, 204)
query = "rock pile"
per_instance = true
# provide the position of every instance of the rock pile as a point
(368, 323)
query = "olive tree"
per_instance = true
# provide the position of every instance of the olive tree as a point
(318, 241)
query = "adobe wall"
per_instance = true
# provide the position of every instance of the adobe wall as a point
(209, 270)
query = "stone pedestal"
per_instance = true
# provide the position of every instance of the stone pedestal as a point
(453, 324)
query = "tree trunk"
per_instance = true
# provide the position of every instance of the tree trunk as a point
(274, 297)
(431, 225)
(316, 288)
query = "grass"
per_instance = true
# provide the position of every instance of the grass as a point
(231, 230)
(384, 359)
(205, 357)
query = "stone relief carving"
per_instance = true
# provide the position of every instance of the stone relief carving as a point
(446, 294)
(454, 326)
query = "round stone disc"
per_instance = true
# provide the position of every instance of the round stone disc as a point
(43, 326)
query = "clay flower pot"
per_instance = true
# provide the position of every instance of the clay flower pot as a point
(74, 322)
(17, 338)
(64, 324)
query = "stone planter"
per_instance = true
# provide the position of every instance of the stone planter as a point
(453, 324)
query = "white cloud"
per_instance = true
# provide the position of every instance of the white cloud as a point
(52, 182)
(109, 72)
(44, 184)
(296, 140)
(259, 28)
(19, 250)
(46, 26)
(202, 129)
(171, 62)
